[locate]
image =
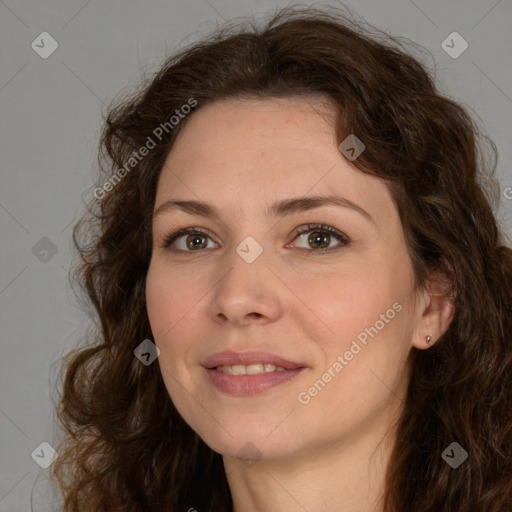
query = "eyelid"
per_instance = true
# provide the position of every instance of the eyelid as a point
(342, 239)
(175, 234)
(306, 228)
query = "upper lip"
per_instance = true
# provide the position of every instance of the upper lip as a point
(229, 358)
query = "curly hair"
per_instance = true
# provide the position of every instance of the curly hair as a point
(126, 448)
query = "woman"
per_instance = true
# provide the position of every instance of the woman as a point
(303, 294)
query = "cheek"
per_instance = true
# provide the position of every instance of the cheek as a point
(366, 312)
(169, 298)
(167, 307)
(159, 303)
(344, 303)
(358, 381)
(173, 303)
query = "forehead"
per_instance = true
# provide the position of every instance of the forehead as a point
(259, 151)
(270, 124)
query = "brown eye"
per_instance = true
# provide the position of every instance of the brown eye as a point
(319, 239)
(195, 240)
(321, 236)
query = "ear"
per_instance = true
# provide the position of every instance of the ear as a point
(435, 312)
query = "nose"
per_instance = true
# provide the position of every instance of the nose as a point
(247, 292)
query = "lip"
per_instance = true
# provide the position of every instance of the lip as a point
(249, 384)
(229, 358)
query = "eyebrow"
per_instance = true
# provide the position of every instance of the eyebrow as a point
(277, 209)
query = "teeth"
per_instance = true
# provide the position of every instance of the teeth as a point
(238, 369)
(251, 369)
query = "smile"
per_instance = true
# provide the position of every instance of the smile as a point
(251, 369)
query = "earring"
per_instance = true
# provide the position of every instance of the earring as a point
(429, 340)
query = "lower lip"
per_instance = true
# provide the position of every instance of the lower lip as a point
(250, 384)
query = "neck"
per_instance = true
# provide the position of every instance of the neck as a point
(348, 475)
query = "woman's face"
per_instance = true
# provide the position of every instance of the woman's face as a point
(340, 316)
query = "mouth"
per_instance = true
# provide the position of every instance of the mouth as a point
(252, 360)
(249, 373)
(251, 369)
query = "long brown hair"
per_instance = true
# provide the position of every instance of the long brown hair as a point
(126, 447)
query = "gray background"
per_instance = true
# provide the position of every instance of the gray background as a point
(51, 120)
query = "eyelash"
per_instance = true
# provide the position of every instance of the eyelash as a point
(341, 237)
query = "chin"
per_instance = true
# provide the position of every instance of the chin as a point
(247, 443)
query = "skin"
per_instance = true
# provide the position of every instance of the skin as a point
(331, 453)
